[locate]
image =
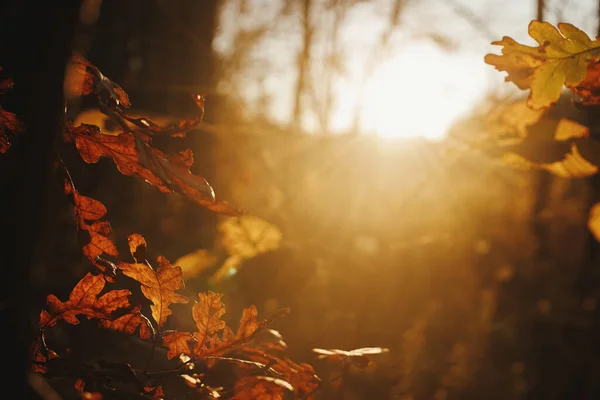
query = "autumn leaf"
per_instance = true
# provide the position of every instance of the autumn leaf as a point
(87, 213)
(561, 59)
(83, 78)
(589, 89)
(174, 130)
(159, 286)
(134, 156)
(260, 388)
(594, 221)
(222, 340)
(302, 377)
(357, 357)
(243, 238)
(83, 300)
(178, 343)
(569, 163)
(128, 323)
(194, 263)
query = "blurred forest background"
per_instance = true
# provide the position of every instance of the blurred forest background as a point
(341, 127)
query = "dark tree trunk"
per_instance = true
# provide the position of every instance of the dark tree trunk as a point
(36, 43)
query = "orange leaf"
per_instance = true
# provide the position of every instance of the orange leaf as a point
(260, 388)
(83, 78)
(302, 377)
(207, 313)
(177, 343)
(157, 286)
(156, 392)
(207, 319)
(175, 130)
(83, 300)
(129, 322)
(85, 210)
(134, 156)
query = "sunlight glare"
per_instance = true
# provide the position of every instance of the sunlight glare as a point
(421, 92)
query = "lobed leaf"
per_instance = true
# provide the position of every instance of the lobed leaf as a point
(159, 286)
(87, 213)
(129, 323)
(561, 59)
(134, 156)
(83, 300)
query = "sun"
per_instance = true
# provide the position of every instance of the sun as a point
(421, 92)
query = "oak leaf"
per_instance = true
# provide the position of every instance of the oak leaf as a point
(561, 59)
(133, 155)
(260, 388)
(213, 337)
(83, 78)
(160, 285)
(178, 343)
(87, 213)
(569, 138)
(178, 129)
(83, 300)
(128, 323)
(302, 376)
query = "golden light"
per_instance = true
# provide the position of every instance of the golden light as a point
(421, 92)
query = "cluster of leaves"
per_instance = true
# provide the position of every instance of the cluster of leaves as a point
(261, 368)
(565, 58)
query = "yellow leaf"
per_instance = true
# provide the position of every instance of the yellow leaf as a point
(194, 263)
(594, 221)
(568, 129)
(247, 236)
(573, 165)
(561, 58)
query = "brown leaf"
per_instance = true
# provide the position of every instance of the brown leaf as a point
(216, 344)
(177, 343)
(83, 78)
(88, 210)
(302, 377)
(207, 313)
(260, 388)
(156, 392)
(128, 323)
(134, 156)
(174, 130)
(137, 247)
(83, 300)
(157, 286)
(589, 88)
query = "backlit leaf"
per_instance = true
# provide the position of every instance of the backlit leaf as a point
(570, 164)
(561, 59)
(249, 236)
(194, 263)
(128, 323)
(594, 221)
(178, 343)
(260, 388)
(134, 156)
(159, 286)
(83, 300)
(83, 78)
(87, 213)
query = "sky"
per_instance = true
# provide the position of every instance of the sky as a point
(418, 77)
